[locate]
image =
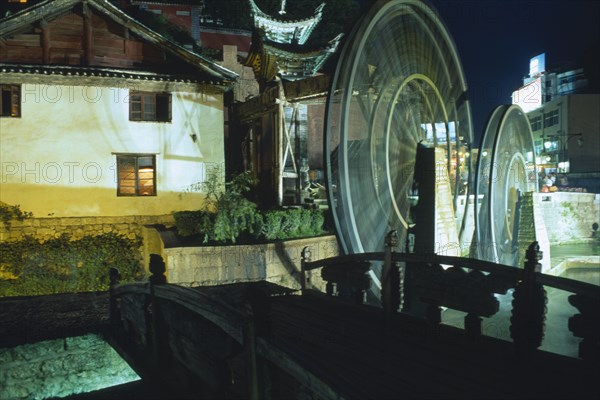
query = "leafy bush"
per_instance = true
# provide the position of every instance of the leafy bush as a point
(228, 215)
(60, 265)
(292, 223)
(190, 223)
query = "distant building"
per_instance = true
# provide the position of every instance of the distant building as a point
(184, 13)
(564, 118)
(566, 133)
(208, 32)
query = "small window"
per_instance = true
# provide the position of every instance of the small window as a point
(182, 13)
(551, 118)
(136, 175)
(536, 123)
(10, 101)
(148, 106)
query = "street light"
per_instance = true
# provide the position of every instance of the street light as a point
(563, 139)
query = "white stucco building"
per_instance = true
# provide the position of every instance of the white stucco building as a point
(101, 116)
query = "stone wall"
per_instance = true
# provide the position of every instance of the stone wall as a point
(78, 227)
(61, 367)
(275, 262)
(569, 216)
(532, 227)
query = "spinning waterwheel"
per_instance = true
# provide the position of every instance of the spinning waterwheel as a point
(398, 85)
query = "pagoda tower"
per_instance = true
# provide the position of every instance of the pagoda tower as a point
(279, 46)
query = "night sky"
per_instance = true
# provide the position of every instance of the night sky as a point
(496, 39)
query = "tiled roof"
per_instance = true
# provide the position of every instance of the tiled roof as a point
(52, 8)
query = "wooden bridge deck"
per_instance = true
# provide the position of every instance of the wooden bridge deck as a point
(262, 341)
(348, 348)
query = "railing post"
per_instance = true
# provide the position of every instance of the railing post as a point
(473, 325)
(157, 268)
(306, 275)
(390, 278)
(586, 325)
(249, 335)
(529, 305)
(113, 277)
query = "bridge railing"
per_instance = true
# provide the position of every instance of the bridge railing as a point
(160, 327)
(422, 284)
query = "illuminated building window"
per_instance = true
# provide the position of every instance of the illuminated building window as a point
(536, 123)
(10, 101)
(136, 175)
(551, 118)
(148, 106)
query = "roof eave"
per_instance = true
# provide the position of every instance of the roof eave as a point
(52, 8)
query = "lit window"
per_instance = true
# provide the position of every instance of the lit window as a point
(148, 106)
(10, 101)
(551, 118)
(136, 175)
(536, 123)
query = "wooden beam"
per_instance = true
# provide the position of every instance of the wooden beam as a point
(125, 40)
(45, 41)
(87, 35)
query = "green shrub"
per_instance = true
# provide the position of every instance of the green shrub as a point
(228, 215)
(62, 265)
(190, 223)
(291, 223)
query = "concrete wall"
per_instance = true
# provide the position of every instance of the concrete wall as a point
(568, 216)
(59, 158)
(275, 262)
(61, 367)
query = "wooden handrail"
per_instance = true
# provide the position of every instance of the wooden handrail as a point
(507, 271)
(219, 313)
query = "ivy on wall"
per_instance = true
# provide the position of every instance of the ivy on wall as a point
(61, 265)
(10, 213)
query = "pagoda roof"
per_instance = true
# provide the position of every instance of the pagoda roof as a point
(279, 31)
(168, 2)
(296, 65)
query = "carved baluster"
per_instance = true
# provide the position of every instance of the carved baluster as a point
(473, 325)
(157, 268)
(331, 288)
(529, 305)
(249, 334)
(474, 279)
(306, 275)
(586, 325)
(115, 315)
(390, 278)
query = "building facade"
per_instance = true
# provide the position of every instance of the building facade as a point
(102, 117)
(566, 133)
(564, 118)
